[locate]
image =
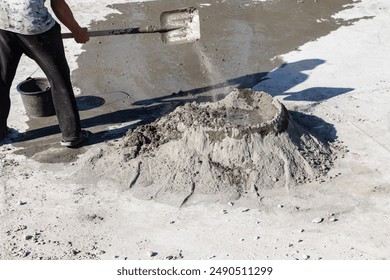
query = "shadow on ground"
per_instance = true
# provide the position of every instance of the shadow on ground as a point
(289, 75)
(323, 131)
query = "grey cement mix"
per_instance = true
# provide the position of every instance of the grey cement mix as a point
(238, 147)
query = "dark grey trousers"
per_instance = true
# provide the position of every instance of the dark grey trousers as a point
(48, 51)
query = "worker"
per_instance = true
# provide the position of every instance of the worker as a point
(27, 27)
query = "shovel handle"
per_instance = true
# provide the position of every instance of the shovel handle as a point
(113, 32)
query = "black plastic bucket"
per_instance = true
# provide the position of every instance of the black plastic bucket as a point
(36, 97)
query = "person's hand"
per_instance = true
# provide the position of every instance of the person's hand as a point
(81, 35)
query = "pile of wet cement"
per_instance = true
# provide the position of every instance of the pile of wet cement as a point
(239, 146)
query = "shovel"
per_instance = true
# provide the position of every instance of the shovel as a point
(177, 27)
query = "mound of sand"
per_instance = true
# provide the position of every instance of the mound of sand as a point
(239, 146)
(223, 150)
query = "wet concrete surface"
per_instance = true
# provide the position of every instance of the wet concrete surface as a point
(136, 78)
(238, 46)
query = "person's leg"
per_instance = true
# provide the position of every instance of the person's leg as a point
(10, 54)
(48, 51)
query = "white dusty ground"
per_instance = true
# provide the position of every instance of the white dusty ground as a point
(50, 211)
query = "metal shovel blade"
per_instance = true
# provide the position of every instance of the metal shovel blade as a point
(184, 26)
(177, 27)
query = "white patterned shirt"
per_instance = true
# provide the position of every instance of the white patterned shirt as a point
(27, 17)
